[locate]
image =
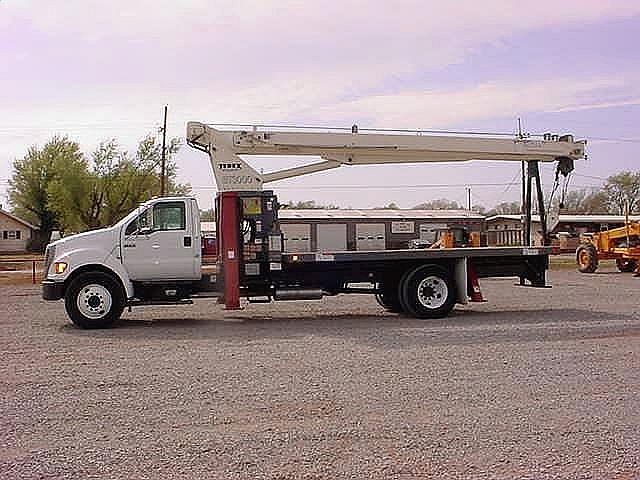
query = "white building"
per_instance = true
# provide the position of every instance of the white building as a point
(15, 233)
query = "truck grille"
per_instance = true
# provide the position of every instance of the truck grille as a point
(49, 255)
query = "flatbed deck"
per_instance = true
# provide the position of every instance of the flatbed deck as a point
(388, 266)
(413, 254)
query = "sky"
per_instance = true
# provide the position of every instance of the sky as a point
(96, 70)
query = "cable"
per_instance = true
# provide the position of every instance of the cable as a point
(512, 182)
(350, 129)
(114, 124)
(590, 176)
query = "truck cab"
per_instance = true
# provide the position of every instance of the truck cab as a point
(152, 254)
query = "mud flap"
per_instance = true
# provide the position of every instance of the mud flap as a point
(460, 279)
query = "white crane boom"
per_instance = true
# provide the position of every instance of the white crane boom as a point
(232, 173)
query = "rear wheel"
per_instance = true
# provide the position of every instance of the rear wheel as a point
(587, 258)
(428, 292)
(626, 264)
(94, 300)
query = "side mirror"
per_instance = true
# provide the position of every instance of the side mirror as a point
(145, 230)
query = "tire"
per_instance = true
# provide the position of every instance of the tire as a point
(428, 292)
(389, 301)
(94, 300)
(626, 264)
(587, 258)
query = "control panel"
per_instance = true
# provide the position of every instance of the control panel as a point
(260, 236)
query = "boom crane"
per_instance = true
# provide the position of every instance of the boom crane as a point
(152, 256)
(241, 200)
(338, 148)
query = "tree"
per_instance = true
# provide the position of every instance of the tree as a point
(60, 162)
(622, 189)
(129, 180)
(207, 215)
(584, 201)
(479, 209)
(389, 206)
(308, 205)
(57, 188)
(505, 208)
(439, 204)
(117, 183)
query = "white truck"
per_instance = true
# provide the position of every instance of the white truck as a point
(153, 255)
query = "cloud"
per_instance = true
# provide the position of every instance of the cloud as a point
(246, 42)
(595, 106)
(98, 69)
(487, 100)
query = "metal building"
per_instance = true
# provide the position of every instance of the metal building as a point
(332, 230)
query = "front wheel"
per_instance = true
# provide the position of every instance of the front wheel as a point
(94, 300)
(587, 258)
(428, 292)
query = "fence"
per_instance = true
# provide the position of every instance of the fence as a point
(504, 238)
(33, 262)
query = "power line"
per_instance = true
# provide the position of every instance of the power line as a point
(590, 176)
(378, 187)
(117, 123)
(610, 139)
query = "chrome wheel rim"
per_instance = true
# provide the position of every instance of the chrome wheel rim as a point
(94, 301)
(432, 292)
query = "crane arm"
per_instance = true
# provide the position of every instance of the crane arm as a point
(335, 149)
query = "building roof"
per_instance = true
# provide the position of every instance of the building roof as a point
(406, 214)
(18, 219)
(572, 218)
(377, 214)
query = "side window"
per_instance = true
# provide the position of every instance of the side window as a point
(169, 216)
(138, 223)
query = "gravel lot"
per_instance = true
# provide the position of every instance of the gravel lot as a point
(534, 384)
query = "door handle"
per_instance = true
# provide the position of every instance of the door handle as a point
(155, 246)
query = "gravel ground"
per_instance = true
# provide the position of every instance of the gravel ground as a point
(534, 384)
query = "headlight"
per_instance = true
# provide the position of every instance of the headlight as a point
(60, 267)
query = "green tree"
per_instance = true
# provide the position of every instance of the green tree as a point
(207, 215)
(116, 183)
(621, 189)
(126, 180)
(57, 188)
(58, 162)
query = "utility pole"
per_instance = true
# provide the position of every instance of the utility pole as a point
(469, 198)
(523, 188)
(163, 164)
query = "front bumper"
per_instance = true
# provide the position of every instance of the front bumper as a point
(52, 290)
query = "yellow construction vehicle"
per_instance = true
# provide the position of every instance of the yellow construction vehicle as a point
(621, 244)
